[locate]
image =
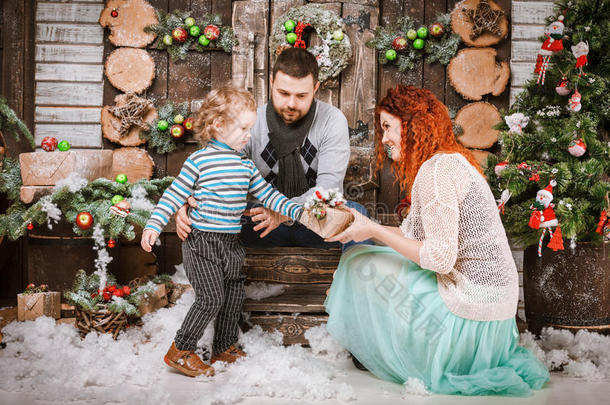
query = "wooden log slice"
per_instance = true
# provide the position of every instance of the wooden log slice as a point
(136, 163)
(477, 121)
(130, 70)
(111, 125)
(474, 72)
(461, 24)
(127, 28)
(481, 157)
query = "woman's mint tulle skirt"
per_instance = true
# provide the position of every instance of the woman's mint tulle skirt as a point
(387, 311)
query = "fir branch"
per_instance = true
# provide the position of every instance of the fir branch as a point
(9, 122)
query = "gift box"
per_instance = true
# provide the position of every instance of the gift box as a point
(47, 168)
(152, 302)
(326, 214)
(31, 306)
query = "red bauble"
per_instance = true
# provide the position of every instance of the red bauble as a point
(118, 293)
(188, 123)
(106, 296)
(84, 220)
(30, 226)
(111, 243)
(114, 13)
(48, 144)
(179, 34)
(126, 290)
(577, 147)
(112, 288)
(399, 43)
(211, 32)
(436, 30)
(177, 131)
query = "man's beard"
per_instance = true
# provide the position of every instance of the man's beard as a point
(292, 118)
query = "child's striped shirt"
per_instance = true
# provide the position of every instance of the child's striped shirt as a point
(220, 179)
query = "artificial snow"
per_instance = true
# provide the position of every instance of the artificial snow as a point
(258, 290)
(53, 212)
(414, 386)
(139, 200)
(74, 181)
(179, 276)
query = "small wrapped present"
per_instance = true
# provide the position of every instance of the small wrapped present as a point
(326, 214)
(150, 303)
(38, 301)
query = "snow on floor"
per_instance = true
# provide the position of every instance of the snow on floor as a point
(46, 363)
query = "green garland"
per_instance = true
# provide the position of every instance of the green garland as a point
(179, 50)
(335, 52)
(94, 198)
(437, 49)
(11, 123)
(161, 140)
(86, 295)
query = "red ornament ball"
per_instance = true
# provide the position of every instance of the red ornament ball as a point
(114, 13)
(211, 32)
(399, 43)
(48, 144)
(84, 220)
(577, 147)
(179, 34)
(30, 226)
(188, 123)
(111, 243)
(177, 131)
(106, 296)
(126, 290)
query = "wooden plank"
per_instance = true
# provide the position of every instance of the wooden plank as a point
(291, 265)
(295, 298)
(358, 85)
(531, 12)
(79, 135)
(249, 60)
(69, 94)
(69, 72)
(361, 183)
(453, 100)
(220, 64)
(524, 51)
(503, 54)
(525, 32)
(189, 79)
(69, 53)
(68, 12)
(292, 327)
(70, 33)
(67, 114)
(371, 3)
(330, 95)
(514, 92)
(434, 74)
(521, 72)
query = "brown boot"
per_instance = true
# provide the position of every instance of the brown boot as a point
(229, 356)
(187, 362)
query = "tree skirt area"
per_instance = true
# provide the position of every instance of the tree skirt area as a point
(48, 363)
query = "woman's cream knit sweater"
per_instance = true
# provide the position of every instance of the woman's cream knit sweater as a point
(454, 214)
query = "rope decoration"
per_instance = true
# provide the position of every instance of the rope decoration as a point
(131, 112)
(484, 19)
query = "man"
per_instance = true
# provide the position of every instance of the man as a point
(299, 144)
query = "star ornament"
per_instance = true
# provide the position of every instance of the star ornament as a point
(484, 19)
(131, 112)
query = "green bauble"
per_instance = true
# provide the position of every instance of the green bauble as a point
(289, 25)
(195, 31)
(390, 54)
(291, 38)
(116, 199)
(162, 125)
(63, 146)
(204, 41)
(189, 22)
(419, 43)
(338, 35)
(168, 40)
(422, 32)
(121, 178)
(412, 34)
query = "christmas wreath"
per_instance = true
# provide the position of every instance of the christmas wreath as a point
(168, 132)
(403, 43)
(178, 32)
(333, 53)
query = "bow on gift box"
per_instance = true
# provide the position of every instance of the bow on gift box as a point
(326, 213)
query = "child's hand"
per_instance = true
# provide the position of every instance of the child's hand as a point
(149, 237)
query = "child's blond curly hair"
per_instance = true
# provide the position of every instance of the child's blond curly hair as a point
(220, 105)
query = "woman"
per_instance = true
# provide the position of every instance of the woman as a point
(438, 302)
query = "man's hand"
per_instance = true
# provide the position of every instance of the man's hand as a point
(268, 219)
(183, 222)
(149, 237)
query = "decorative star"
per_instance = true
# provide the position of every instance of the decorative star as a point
(131, 113)
(484, 19)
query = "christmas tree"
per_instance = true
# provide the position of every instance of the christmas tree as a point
(552, 170)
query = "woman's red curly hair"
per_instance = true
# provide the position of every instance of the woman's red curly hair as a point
(426, 130)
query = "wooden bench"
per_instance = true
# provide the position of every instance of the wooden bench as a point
(305, 273)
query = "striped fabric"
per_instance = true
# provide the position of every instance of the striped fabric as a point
(220, 179)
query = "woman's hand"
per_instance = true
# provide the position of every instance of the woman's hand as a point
(361, 229)
(149, 237)
(266, 218)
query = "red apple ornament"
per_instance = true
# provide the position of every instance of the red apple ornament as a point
(399, 43)
(188, 123)
(84, 220)
(179, 34)
(177, 131)
(436, 30)
(211, 32)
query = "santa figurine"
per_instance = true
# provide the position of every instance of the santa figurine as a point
(543, 217)
(553, 43)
